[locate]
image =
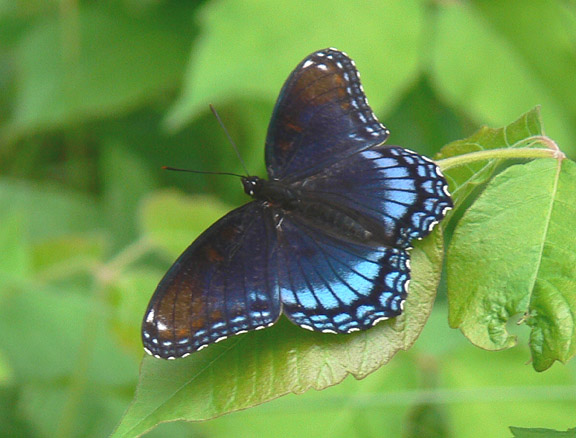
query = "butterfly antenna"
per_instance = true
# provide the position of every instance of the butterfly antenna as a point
(205, 172)
(229, 138)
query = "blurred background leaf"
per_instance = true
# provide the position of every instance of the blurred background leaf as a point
(522, 432)
(96, 96)
(274, 43)
(91, 63)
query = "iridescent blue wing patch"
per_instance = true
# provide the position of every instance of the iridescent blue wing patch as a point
(402, 193)
(333, 285)
(321, 117)
(220, 286)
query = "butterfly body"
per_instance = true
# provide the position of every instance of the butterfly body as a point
(325, 240)
(273, 192)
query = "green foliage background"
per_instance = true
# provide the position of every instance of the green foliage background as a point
(96, 96)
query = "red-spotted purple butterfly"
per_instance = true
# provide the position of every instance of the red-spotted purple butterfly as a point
(325, 240)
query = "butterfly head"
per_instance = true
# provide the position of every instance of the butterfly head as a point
(275, 193)
(253, 185)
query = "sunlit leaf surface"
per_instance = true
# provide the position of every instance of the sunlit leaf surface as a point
(513, 254)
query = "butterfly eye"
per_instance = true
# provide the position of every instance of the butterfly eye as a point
(251, 185)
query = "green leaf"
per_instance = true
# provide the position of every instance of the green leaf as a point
(522, 432)
(426, 420)
(423, 122)
(42, 318)
(464, 179)
(129, 296)
(494, 391)
(554, 42)
(260, 366)
(487, 61)
(16, 259)
(53, 409)
(126, 180)
(513, 253)
(48, 210)
(13, 425)
(426, 417)
(68, 254)
(113, 64)
(171, 220)
(350, 409)
(273, 43)
(69, 373)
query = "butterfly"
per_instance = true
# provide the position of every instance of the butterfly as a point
(325, 239)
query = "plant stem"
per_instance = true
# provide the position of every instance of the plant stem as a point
(110, 270)
(491, 154)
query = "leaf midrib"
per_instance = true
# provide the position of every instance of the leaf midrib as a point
(545, 234)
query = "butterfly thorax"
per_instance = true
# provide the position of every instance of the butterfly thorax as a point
(274, 192)
(319, 215)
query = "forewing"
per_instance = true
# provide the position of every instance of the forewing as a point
(222, 285)
(395, 191)
(336, 286)
(320, 117)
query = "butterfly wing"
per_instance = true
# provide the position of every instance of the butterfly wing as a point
(321, 116)
(220, 286)
(393, 190)
(335, 285)
(325, 143)
(345, 264)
